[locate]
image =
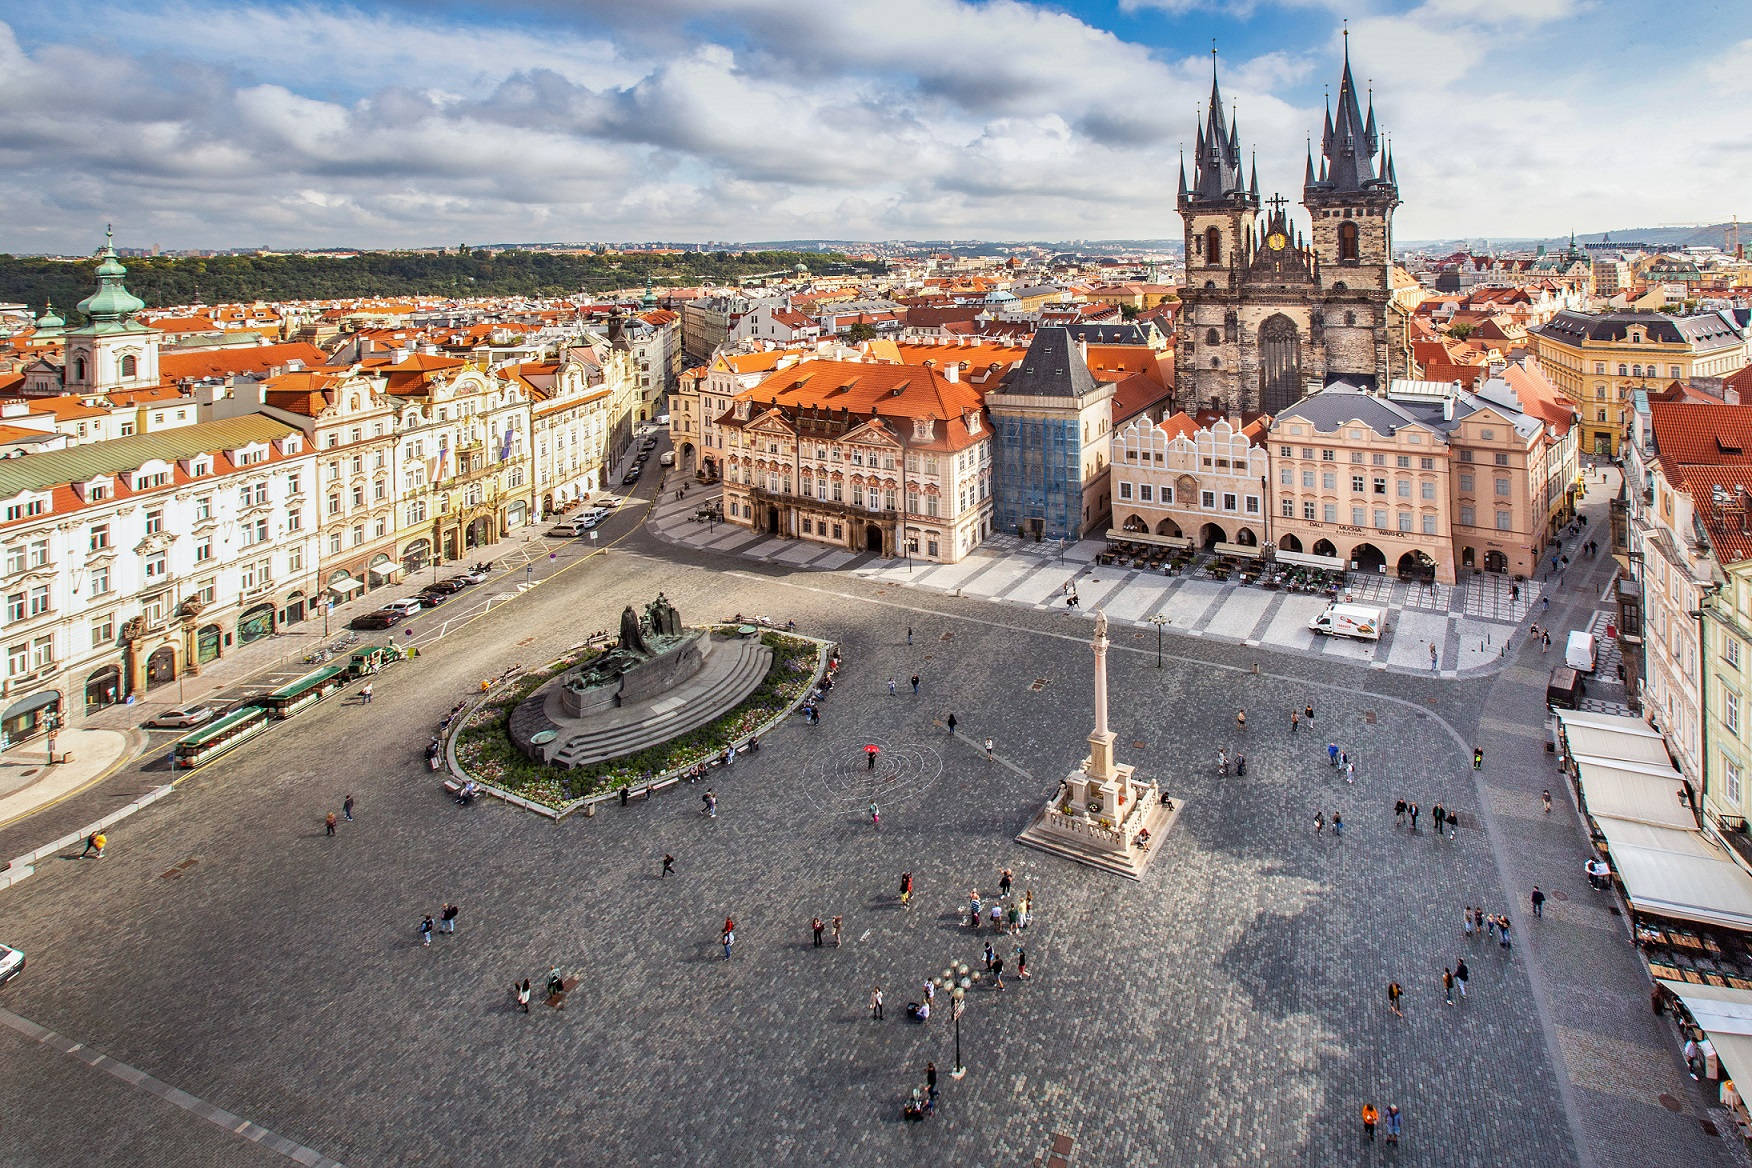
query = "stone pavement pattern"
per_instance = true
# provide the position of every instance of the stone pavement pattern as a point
(1228, 1010)
(1469, 624)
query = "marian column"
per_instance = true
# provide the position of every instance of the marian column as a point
(1099, 766)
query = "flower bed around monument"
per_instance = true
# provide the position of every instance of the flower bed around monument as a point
(485, 751)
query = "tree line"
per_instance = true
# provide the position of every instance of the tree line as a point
(164, 280)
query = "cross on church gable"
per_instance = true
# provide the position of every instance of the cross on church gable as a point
(1277, 203)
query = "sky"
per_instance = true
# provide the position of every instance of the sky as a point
(303, 123)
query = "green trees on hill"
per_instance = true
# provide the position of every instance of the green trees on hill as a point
(162, 280)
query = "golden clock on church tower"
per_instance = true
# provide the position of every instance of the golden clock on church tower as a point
(1276, 241)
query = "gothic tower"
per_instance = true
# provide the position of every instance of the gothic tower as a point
(1217, 210)
(1351, 201)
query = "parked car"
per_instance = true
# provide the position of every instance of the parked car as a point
(383, 618)
(472, 576)
(432, 597)
(407, 605)
(565, 529)
(632, 476)
(444, 586)
(11, 963)
(181, 718)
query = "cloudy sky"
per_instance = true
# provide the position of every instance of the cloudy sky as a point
(224, 123)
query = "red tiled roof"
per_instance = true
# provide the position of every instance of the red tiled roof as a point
(173, 366)
(1696, 434)
(1728, 533)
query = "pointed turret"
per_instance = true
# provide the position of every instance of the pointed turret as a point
(1308, 171)
(1369, 131)
(1253, 179)
(1183, 175)
(1352, 160)
(1216, 160)
(112, 307)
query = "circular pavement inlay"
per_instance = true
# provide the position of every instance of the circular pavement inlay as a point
(1671, 1104)
(839, 778)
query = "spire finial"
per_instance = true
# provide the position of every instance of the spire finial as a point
(109, 235)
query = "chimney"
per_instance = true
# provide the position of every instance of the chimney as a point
(952, 371)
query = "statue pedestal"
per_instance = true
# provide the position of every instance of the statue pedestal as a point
(1112, 822)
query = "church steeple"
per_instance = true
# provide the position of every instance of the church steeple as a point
(1352, 161)
(1217, 175)
(112, 307)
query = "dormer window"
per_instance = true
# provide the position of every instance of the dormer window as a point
(973, 422)
(924, 429)
(200, 467)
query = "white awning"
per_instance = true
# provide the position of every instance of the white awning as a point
(1671, 879)
(1618, 793)
(1635, 727)
(1725, 1014)
(1236, 549)
(1587, 742)
(1304, 560)
(344, 585)
(1170, 541)
(385, 571)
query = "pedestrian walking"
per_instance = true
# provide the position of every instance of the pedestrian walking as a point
(915, 685)
(1005, 881)
(816, 926)
(1478, 758)
(909, 634)
(836, 932)
(906, 890)
(94, 843)
(989, 954)
(891, 687)
(1399, 813)
(1544, 641)
(366, 693)
(997, 916)
(447, 918)
(328, 824)
(1295, 721)
(1413, 812)
(988, 745)
(729, 939)
(1392, 1123)
(520, 991)
(1350, 772)
(1332, 754)
(1240, 720)
(1432, 656)
(950, 722)
(1440, 815)
(668, 866)
(1370, 1116)
(1538, 899)
(426, 931)
(347, 808)
(711, 802)
(876, 1004)
(1222, 761)
(875, 815)
(1394, 993)
(1337, 825)
(998, 971)
(1308, 713)
(1503, 934)
(1319, 822)
(931, 1080)
(1022, 964)
(871, 750)
(1461, 976)
(1241, 765)
(1448, 985)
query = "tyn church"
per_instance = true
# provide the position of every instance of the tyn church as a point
(1269, 314)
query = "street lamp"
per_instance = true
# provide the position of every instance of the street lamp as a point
(912, 545)
(1159, 619)
(957, 981)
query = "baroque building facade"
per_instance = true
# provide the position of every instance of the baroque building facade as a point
(1270, 313)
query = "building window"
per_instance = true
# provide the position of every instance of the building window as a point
(155, 521)
(156, 566)
(1253, 504)
(1357, 484)
(1731, 650)
(1207, 500)
(103, 632)
(1405, 521)
(1308, 511)
(1328, 513)
(1429, 525)
(1286, 477)
(1381, 518)
(1730, 710)
(1359, 516)
(1144, 493)
(1229, 501)
(1426, 490)
(1213, 246)
(18, 659)
(1380, 485)
(100, 581)
(1502, 485)
(1465, 484)
(1288, 507)
(1347, 242)
(203, 551)
(1466, 456)
(1328, 456)
(42, 653)
(1308, 480)
(1466, 515)
(1731, 780)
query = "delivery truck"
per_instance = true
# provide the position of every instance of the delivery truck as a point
(1580, 653)
(1362, 621)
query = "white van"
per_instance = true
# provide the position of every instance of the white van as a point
(667, 458)
(1579, 654)
(1362, 621)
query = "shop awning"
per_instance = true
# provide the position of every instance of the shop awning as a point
(37, 701)
(1726, 1016)
(1251, 551)
(385, 571)
(1168, 541)
(1635, 727)
(1304, 560)
(344, 585)
(1616, 793)
(1671, 879)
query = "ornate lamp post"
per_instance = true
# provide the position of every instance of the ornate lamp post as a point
(956, 980)
(1159, 620)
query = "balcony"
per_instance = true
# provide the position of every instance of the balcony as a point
(849, 511)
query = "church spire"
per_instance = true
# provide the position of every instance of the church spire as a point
(1352, 158)
(112, 307)
(1216, 175)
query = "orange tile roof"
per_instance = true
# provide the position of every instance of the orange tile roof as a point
(1466, 375)
(872, 388)
(1696, 434)
(204, 363)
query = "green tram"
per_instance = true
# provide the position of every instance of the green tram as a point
(216, 737)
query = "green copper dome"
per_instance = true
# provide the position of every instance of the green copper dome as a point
(649, 300)
(110, 307)
(49, 321)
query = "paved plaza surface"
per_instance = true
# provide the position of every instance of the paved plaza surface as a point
(1228, 1009)
(1469, 624)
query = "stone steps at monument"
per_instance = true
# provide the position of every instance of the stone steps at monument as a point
(699, 705)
